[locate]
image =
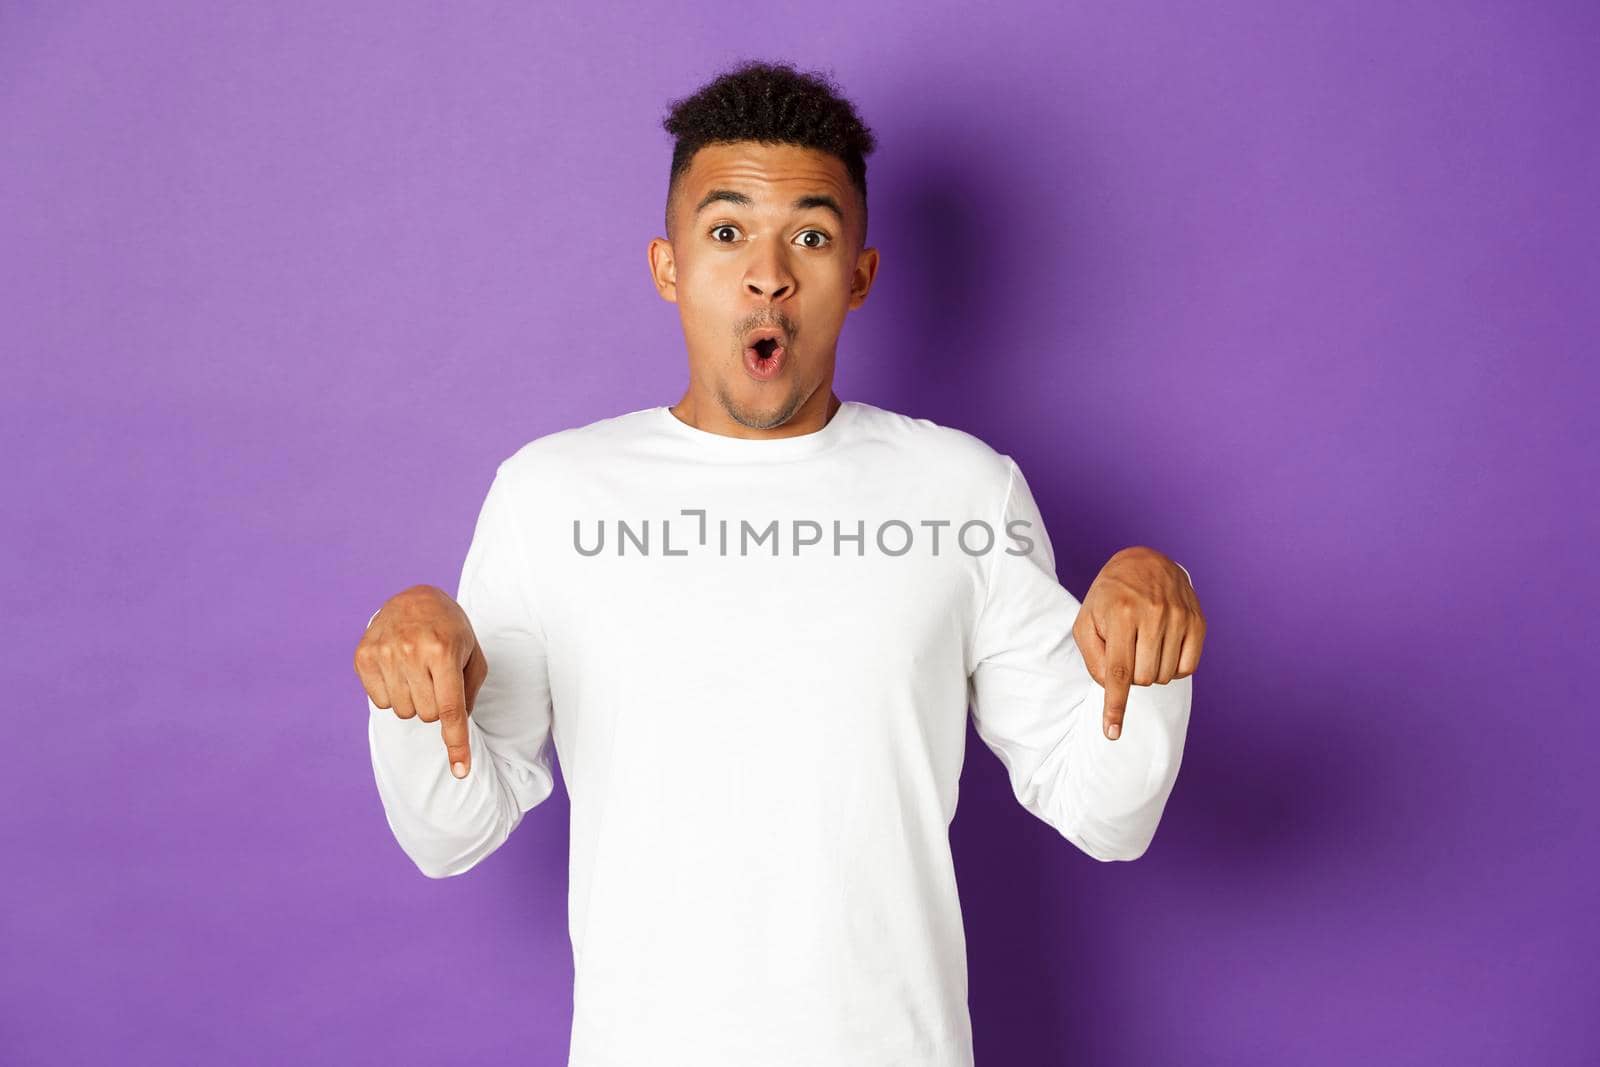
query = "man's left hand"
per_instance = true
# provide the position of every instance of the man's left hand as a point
(1140, 623)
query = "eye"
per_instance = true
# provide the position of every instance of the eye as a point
(825, 238)
(719, 228)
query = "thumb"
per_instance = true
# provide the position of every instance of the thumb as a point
(473, 674)
(1090, 644)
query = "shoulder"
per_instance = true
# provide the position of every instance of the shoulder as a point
(951, 453)
(570, 452)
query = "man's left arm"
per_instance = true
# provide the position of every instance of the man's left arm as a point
(1036, 688)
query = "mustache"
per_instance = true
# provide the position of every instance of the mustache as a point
(778, 322)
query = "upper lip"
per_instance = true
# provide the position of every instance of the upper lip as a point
(760, 332)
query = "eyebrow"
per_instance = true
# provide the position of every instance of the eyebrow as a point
(804, 203)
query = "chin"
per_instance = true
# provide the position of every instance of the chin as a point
(764, 410)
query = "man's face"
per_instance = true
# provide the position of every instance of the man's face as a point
(755, 244)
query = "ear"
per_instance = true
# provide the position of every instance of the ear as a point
(861, 280)
(663, 269)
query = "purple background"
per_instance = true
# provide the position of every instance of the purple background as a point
(1303, 296)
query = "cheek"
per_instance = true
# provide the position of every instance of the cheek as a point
(697, 302)
(834, 279)
(701, 286)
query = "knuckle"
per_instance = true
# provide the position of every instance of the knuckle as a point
(1118, 672)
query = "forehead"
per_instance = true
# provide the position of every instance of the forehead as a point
(766, 171)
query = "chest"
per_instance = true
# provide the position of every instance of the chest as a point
(747, 613)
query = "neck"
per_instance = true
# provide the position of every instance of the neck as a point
(711, 416)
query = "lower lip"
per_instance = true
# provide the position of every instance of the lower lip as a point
(763, 370)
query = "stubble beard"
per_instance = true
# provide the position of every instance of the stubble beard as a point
(761, 418)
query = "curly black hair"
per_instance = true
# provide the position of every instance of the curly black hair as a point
(773, 103)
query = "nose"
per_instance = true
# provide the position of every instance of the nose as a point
(768, 273)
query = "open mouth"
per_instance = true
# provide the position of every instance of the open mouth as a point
(765, 355)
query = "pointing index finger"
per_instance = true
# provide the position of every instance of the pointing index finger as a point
(1119, 672)
(449, 689)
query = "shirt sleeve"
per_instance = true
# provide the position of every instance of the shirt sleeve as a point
(1037, 707)
(444, 824)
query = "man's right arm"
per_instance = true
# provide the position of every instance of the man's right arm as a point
(445, 824)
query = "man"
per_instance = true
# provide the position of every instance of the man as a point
(751, 625)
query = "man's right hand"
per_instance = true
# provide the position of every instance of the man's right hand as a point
(420, 657)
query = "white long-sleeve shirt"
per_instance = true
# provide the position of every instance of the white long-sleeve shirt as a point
(758, 686)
